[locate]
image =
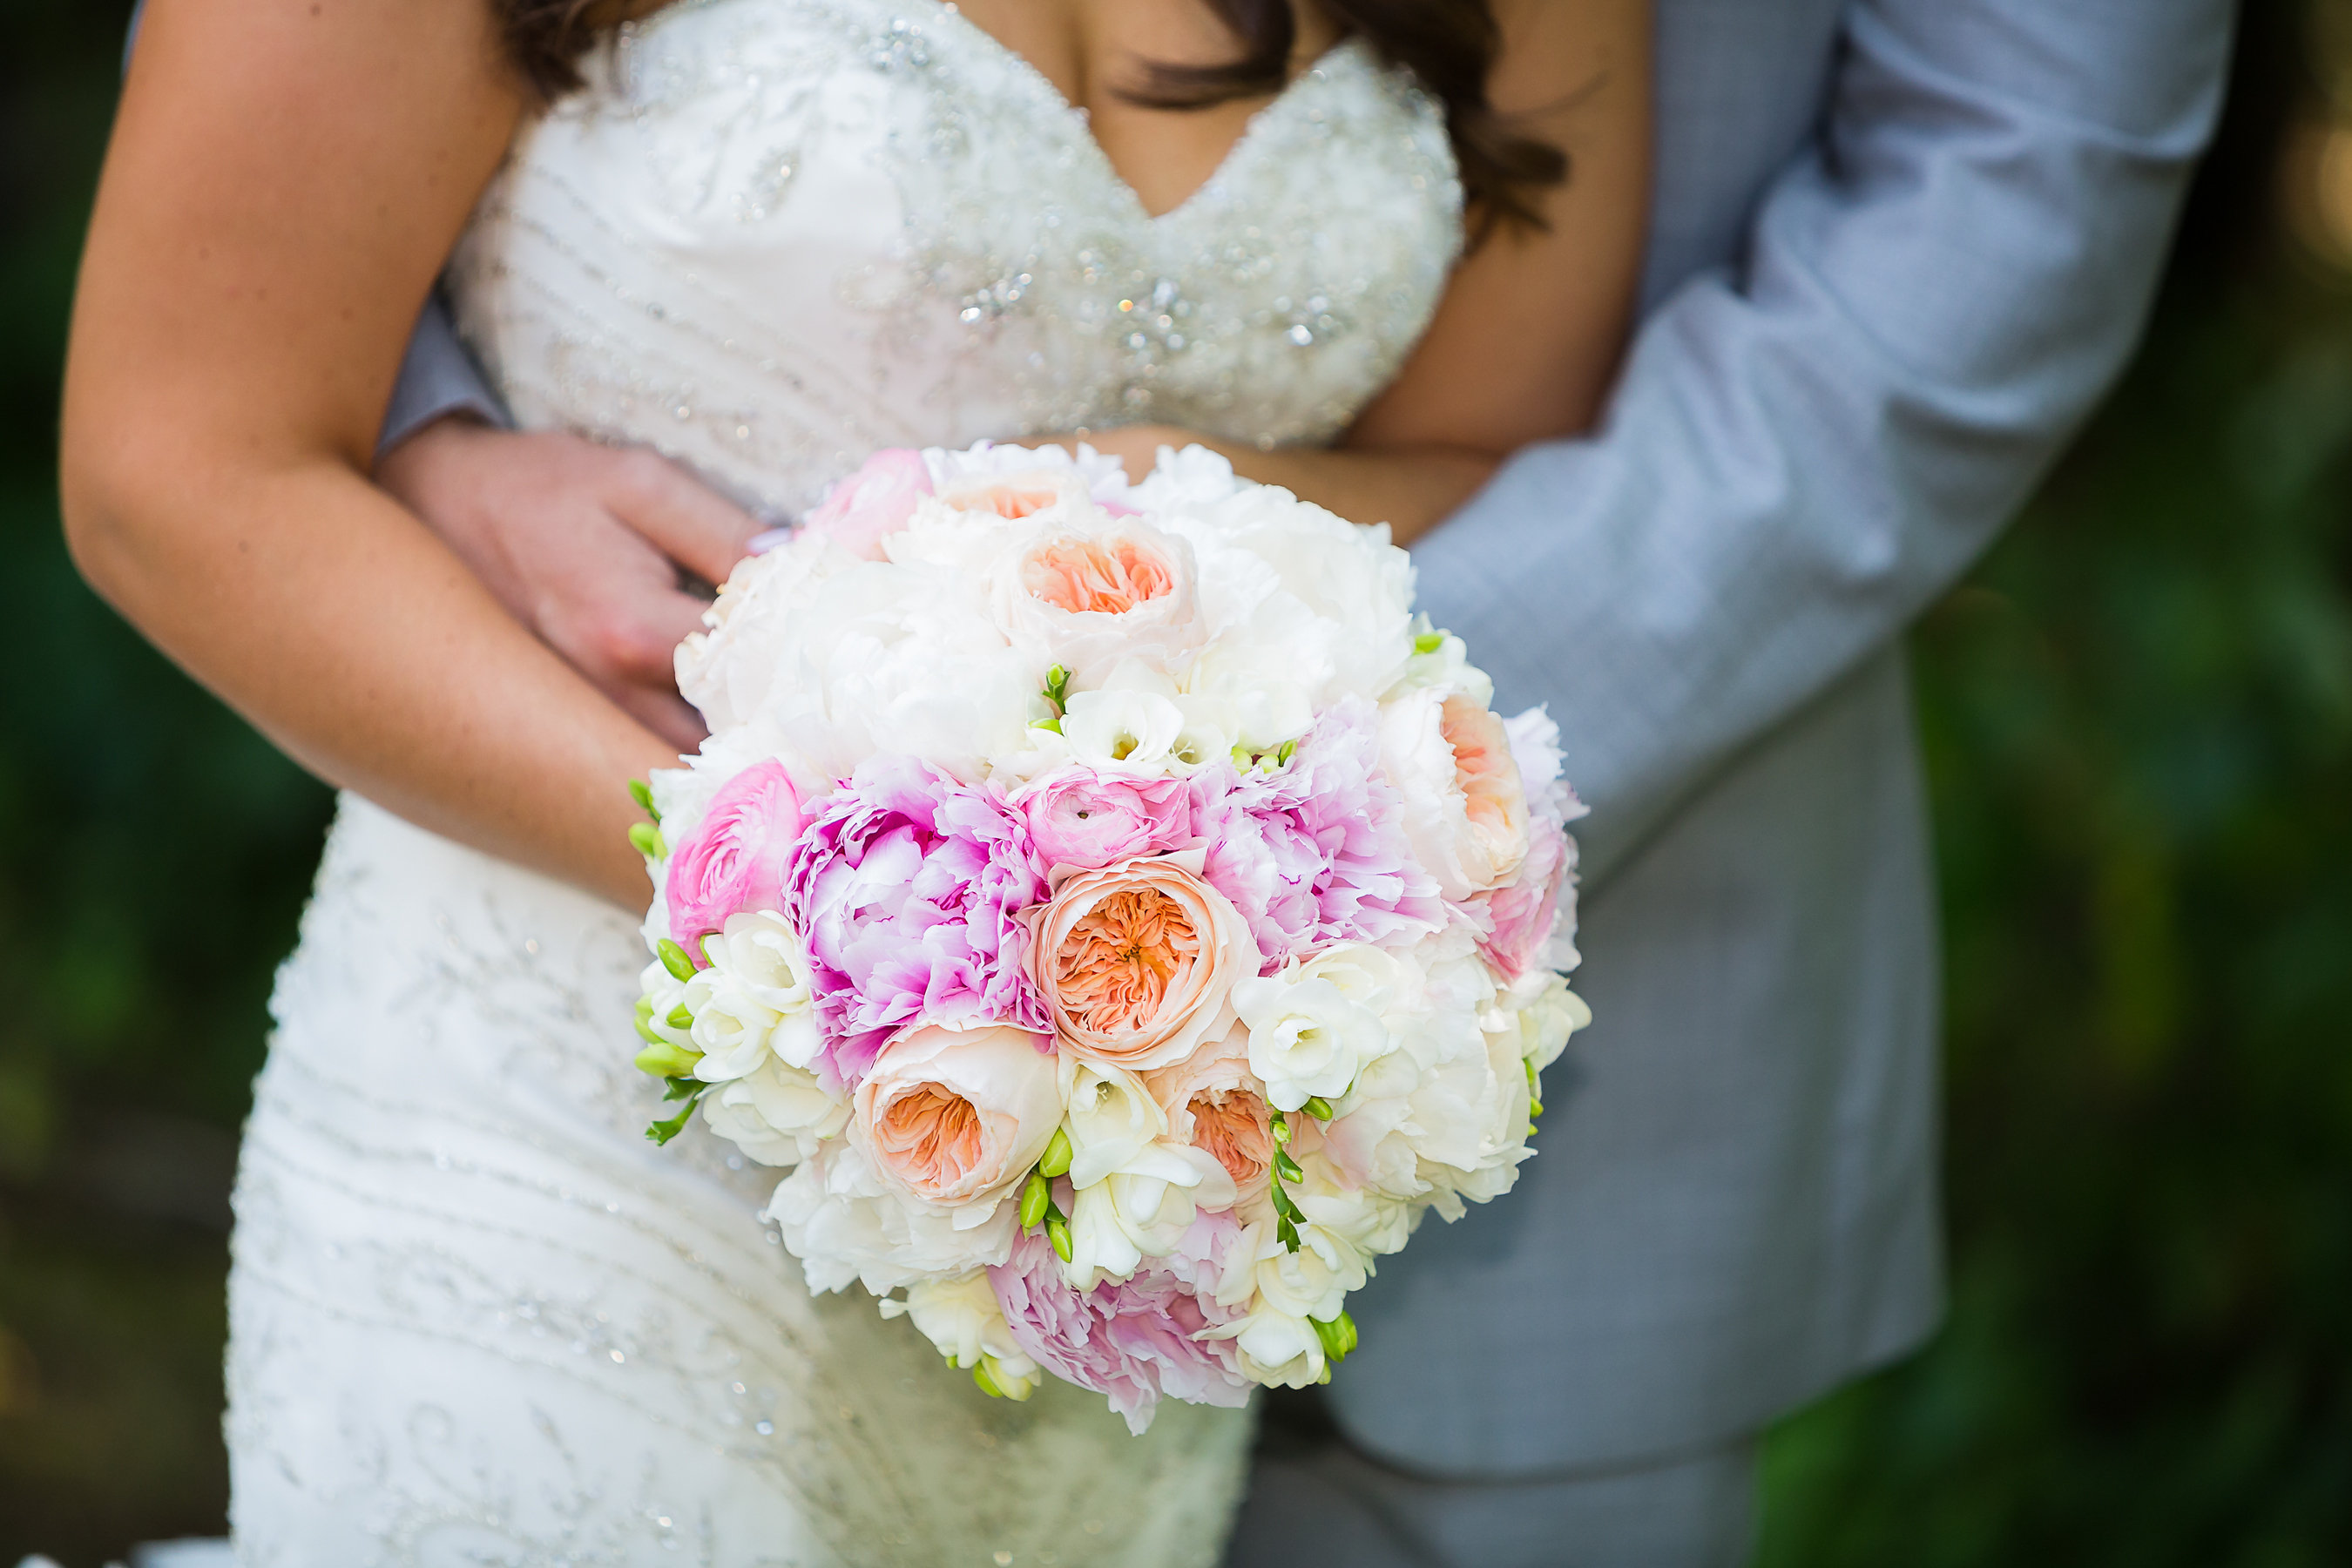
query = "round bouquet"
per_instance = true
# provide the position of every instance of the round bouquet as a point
(1123, 916)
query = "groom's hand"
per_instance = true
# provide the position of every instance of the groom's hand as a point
(591, 547)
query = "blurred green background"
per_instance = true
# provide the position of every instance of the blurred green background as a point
(2140, 720)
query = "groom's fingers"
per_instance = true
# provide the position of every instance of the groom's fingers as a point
(686, 519)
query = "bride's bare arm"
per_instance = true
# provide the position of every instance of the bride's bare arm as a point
(1527, 340)
(284, 178)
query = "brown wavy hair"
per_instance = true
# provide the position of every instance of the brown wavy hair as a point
(1449, 46)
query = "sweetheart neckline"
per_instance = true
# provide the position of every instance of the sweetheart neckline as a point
(1075, 121)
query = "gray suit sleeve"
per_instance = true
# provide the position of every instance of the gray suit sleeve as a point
(1799, 458)
(437, 376)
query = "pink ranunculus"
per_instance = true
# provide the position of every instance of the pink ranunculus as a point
(1137, 963)
(910, 888)
(1132, 1341)
(953, 1118)
(1521, 915)
(1086, 820)
(1317, 853)
(861, 510)
(733, 861)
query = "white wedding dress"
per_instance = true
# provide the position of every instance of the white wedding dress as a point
(476, 1318)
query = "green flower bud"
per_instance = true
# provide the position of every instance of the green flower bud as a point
(643, 794)
(647, 1033)
(679, 1018)
(649, 841)
(1057, 1231)
(987, 1384)
(1286, 1232)
(1034, 1199)
(1279, 1125)
(1055, 1161)
(1317, 1108)
(644, 1007)
(665, 1060)
(674, 958)
(1429, 642)
(1286, 1167)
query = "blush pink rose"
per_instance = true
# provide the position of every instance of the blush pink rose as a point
(1086, 820)
(734, 860)
(954, 1116)
(1137, 963)
(876, 501)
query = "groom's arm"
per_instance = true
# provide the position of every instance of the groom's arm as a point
(1799, 460)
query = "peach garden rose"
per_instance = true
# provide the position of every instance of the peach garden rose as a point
(955, 1117)
(1137, 961)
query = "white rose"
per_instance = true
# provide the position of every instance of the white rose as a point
(846, 1225)
(776, 1114)
(1307, 1036)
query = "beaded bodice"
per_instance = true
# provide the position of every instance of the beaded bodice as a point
(773, 236)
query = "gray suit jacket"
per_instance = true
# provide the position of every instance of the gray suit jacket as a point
(1900, 247)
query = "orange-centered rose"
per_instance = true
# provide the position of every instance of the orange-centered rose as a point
(955, 1117)
(1136, 962)
(1493, 796)
(1107, 576)
(1214, 1103)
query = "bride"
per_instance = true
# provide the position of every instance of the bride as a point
(1363, 248)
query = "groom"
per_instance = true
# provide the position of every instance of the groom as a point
(1900, 248)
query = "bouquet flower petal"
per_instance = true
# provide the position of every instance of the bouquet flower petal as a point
(1118, 915)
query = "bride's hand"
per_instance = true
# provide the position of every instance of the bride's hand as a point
(584, 544)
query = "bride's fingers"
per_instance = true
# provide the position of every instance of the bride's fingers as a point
(665, 713)
(686, 519)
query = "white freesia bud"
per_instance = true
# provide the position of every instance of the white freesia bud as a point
(1309, 1037)
(961, 1319)
(1142, 1211)
(776, 1114)
(1278, 1349)
(1111, 1118)
(753, 999)
(664, 994)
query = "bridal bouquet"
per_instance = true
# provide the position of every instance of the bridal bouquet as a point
(1124, 917)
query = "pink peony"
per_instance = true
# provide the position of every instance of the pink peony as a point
(1316, 852)
(909, 886)
(1087, 820)
(1521, 915)
(1131, 1341)
(733, 862)
(861, 510)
